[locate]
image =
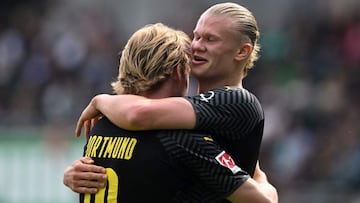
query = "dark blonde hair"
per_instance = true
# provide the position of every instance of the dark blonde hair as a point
(149, 58)
(244, 24)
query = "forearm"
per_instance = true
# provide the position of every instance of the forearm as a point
(264, 185)
(118, 109)
(269, 191)
(251, 191)
(260, 184)
(134, 112)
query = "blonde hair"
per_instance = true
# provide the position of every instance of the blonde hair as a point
(244, 24)
(149, 58)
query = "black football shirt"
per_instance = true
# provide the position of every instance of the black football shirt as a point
(160, 166)
(235, 118)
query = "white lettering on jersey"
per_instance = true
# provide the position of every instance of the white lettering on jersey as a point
(206, 99)
(225, 160)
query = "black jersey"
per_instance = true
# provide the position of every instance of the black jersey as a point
(160, 166)
(235, 118)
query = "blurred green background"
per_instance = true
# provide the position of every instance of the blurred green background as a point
(32, 164)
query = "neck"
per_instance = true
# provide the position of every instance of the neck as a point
(165, 90)
(230, 78)
(206, 85)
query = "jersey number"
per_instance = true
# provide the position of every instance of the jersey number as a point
(112, 189)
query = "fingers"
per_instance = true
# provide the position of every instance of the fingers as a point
(83, 176)
(79, 126)
(259, 175)
(87, 119)
(87, 185)
(257, 169)
(85, 190)
(94, 120)
(87, 170)
(86, 160)
(87, 126)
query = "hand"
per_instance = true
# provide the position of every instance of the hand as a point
(88, 118)
(261, 178)
(84, 177)
(259, 175)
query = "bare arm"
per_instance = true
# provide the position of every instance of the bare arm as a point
(255, 190)
(266, 188)
(134, 112)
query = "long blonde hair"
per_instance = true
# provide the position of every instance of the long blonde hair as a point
(149, 58)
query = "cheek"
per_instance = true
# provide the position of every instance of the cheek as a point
(216, 57)
(222, 58)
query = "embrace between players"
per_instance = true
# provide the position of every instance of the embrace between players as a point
(151, 143)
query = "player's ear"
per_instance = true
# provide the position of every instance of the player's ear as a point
(244, 51)
(177, 74)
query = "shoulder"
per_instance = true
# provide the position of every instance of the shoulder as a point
(225, 94)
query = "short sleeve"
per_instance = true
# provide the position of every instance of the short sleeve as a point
(227, 112)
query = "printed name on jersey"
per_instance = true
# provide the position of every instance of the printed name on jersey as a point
(110, 147)
(225, 160)
(206, 99)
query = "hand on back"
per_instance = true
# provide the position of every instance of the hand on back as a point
(84, 177)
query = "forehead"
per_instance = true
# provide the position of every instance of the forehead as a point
(215, 25)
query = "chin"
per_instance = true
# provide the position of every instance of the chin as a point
(196, 73)
(199, 69)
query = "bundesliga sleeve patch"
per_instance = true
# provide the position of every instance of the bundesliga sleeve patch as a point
(225, 160)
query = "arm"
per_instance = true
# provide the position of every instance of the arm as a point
(251, 191)
(84, 177)
(255, 190)
(268, 189)
(134, 112)
(214, 172)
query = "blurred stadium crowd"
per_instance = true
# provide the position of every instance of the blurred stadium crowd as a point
(55, 56)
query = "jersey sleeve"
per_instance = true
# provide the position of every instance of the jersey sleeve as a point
(227, 112)
(213, 169)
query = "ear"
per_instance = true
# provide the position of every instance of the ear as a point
(177, 74)
(244, 51)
